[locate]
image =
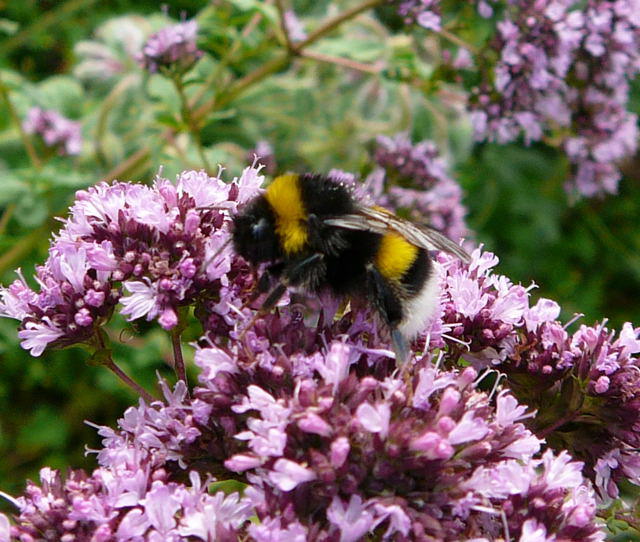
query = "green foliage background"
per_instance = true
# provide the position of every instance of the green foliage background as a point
(318, 116)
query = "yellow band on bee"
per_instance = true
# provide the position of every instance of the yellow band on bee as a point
(285, 198)
(395, 256)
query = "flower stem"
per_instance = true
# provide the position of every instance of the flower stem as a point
(341, 61)
(6, 216)
(103, 114)
(102, 356)
(241, 85)
(283, 24)
(225, 60)
(248, 80)
(457, 41)
(282, 60)
(557, 424)
(628, 518)
(26, 140)
(188, 119)
(334, 22)
(110, 364)
(178, 360)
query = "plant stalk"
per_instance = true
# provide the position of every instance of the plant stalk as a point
(178, 360)
(110, 364)
(26, 140)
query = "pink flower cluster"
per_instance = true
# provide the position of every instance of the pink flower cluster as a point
(132, 496)
(425, 13)
(56, 131)
(380, 456)
(413, 179)
(307, 408)
(151, 249)
(585, 386)
(328, 455)
(567, 66)
(172, 47)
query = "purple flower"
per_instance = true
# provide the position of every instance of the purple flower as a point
(85, 507)
(307, 408)
(352, 520)
(294, 26)
(56, 131)
(413, 178)
(271, 530)
(565, 66)
(379, 440)
(425, 13)
(263, 153)
(153, 249)
(172, 47)
(492, 319)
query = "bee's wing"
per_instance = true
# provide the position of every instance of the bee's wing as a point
(380, 221)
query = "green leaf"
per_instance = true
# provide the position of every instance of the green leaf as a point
(166, 118)
(11, 188)
(162, 89)
(62, 93)
(269, 12)
(31, 211)
(8, 27)
(227, 487)
(360, 50)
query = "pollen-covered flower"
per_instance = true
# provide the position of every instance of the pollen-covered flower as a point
(56, 131)
(172, 47)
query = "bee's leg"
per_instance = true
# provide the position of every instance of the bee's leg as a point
(389, 307)
(400, 346)
(263, 282)
(296, 272)
(273, 271)
(292, 275)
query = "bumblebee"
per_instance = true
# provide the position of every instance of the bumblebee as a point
(314, 235)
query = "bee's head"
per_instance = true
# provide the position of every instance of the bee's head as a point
(254, 233)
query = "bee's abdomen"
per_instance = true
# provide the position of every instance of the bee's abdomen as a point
(408, 270)
(417, 274)
(395, 256)
(420, 288)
